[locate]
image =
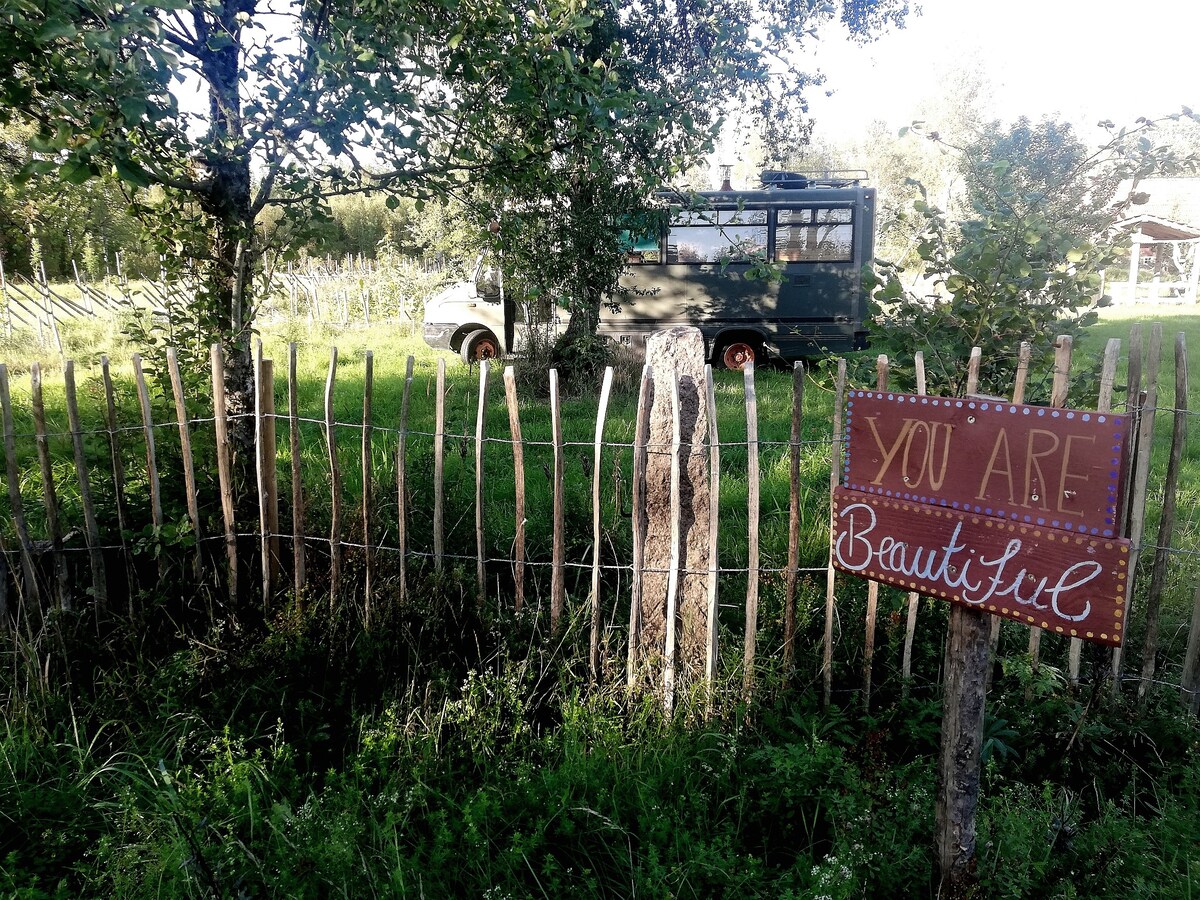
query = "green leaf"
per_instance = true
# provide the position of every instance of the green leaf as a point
(130, 172)
(392, 202)
(454, 41)
(75, 171)
(56, 28)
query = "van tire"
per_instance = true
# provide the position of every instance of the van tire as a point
(738, 352)
(479, 345)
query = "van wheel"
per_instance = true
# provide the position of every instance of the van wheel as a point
(479, 345)
(739, 354)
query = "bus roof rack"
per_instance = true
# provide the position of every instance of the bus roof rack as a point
(774, 179)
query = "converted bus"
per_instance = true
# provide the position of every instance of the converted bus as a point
(700, 264)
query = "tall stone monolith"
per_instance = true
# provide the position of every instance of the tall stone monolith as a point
(678, 351)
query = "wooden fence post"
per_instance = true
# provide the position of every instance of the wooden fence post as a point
(49, 495)
(1058, 397)
(224, 466)
(1166, 524)
(558, 573)
(601, 411)
(835, 472)
(31, 596)
(914, 599)
(881, 380)
(402, 482)
(268, 490)
(640, 441)
(90, 528)
(1141, 474)
(439, 466)
(185, 448)
(1020, 378)
(156, 511)
(518, 451)
(1190, 684)
(118, 466)
(480, 434)
(752, 514)
(368, 490)
(793, 561)
(1108, 375)
(298, 561)
(714, 509)
(335, 487)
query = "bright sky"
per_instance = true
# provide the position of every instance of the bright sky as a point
(1082, 60)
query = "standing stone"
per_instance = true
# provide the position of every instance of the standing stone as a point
(681, 351)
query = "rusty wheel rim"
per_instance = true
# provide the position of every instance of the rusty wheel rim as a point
(737, 355)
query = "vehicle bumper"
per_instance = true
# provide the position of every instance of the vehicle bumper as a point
(438, 335)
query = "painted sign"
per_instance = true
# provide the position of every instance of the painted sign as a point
(1032, 465)
(1067, 583)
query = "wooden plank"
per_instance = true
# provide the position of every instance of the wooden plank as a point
(1166, 522)
(91, 529)
(518, 451)
(299, 572)
(1108, 375)
(439, 467)
(835, 471)
(558, 588)
(597, 536)
(185, 447)
(480, 433)
(752, 515)
(793, 563)
(676, 551)
(49, 495)
(335, 486)
(1059, 389)
(881, 380)
(641, 439)
(914, 599)
(30, 594)
(402, 483)
(714, 510)
(156, 511)
(1141, 476)
(368, 491)
(224, 467)
(268, 488)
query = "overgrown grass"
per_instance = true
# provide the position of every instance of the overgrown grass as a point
(446, 755)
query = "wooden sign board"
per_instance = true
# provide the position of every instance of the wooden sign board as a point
(1067, 583)
(1001, 507)
(1032, 465)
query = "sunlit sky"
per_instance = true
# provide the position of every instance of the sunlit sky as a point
(1081, 60)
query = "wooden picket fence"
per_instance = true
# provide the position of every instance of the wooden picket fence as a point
(37, 573)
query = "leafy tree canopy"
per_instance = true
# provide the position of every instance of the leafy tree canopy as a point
(306, 99)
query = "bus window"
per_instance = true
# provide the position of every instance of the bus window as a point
(717, 236)
(639, 240)
(814, 235)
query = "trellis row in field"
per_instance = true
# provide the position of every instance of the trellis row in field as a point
(37, 584)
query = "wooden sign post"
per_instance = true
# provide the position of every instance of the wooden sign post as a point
(998, 508)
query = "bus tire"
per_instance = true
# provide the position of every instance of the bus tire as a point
(738, 353)
(479, 345)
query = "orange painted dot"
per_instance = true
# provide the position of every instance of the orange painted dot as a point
(1045, 624)
(1030, 618)
(1058, 628)
(974, 520)
(1037, 534)
(1089, 634)
(1103, 636)
(1074, 632)
(1108, 545)
(1118, 613)
(1005, 610)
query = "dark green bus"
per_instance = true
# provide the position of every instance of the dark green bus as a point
(701, 265)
